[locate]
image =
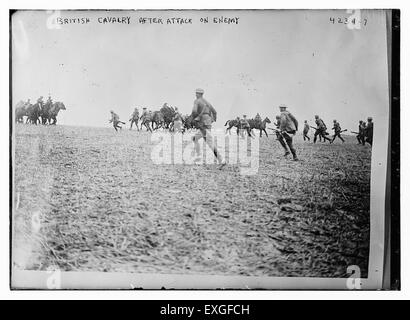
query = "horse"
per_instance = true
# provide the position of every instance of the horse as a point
(33, 112)
(52, 112)
(233, 123)
(157, 119)
(168, 114)
(259, 125)
(20, 111)
(146, 119)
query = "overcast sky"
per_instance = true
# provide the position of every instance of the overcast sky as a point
(299, 58)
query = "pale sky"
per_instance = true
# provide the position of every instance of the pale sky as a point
(299, 58)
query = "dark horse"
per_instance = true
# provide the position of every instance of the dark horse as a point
(33, 112)
(259, 125)
(233, 123)
(50, 114)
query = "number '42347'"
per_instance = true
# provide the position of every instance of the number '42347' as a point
(346, 20)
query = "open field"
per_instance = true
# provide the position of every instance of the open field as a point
(92, 199)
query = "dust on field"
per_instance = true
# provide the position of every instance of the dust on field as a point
(91, 199)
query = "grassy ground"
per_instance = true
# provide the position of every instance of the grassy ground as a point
(92, 199)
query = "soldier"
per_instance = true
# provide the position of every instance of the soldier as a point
(288, 126)
(177, 121)
(46, 109)
(115, 119)
(204, 114)
(362, 132)
(145, 119)
(338, 130)
(134, 118)
(258, 117)
(320, 129)
(40, 102)
(368, 133)
(306, 128)
(244, 125)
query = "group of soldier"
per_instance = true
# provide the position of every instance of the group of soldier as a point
(47, 111)
(168, 117)
(204, 114)
(365, 133)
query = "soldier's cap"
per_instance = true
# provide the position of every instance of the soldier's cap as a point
(316, 116)
(369, 118)
(334, 120)
(111, 111)
(144, 108)
(199, 90)
(283, 106)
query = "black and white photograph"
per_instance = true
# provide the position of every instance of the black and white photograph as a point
(199, 149)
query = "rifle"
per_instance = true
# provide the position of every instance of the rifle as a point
(278, 132)
(314, 128)
(354, 132)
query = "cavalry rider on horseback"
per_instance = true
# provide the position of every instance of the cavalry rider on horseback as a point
(258, 118)
(40, 102)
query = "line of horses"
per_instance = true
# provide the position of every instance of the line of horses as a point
(38, 113)
(251, 124)
(164, 118)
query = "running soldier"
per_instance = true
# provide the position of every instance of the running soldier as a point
(134, 118)
(288, 126)
(177, 121)
(306, 128)
(369, 131)
(115, 119)
(362, 132)
(244, 125)
(338, 130)
(204, 114)
(146, 119)
(320, 129)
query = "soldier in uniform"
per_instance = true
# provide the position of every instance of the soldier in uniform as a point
(361, 135)
(258, 118)
(203, 114)
(134, 118)
(320, 129)
(145, 119)
(288, 126)
(306, 129)
(115, 119)
(177, 121)
(368, 133)
(40, 102)
(244, 125)
(46, 109)
(338, 130)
